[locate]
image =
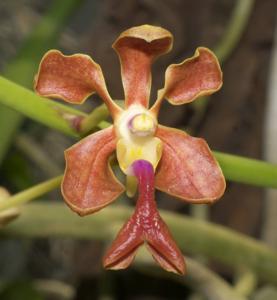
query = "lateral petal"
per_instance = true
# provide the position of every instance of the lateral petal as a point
(187, 169)
(89, 183)
(137, 48)
(197, 76)
(71, 78)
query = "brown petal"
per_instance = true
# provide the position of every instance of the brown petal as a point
(196, 76)
(72, 78)
(137, 48)
(188, 169)
(89, 183)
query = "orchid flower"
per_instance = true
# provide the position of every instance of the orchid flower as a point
(151, 155)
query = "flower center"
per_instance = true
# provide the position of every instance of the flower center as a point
(135, 122)
(135, 132)
(142, 125)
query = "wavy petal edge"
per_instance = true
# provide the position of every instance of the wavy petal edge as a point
(200, 180)
(137, 48)
(199, 75)
(83, 192)
(72, 78)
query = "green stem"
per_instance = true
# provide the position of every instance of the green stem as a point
(246, 282)
(104, 124)
(225, 47)
(45, 111)
(23, 67)
(197, 237)
(31, 193)
(97, 118)
(246, 170)
(92, 120)
(235, 29)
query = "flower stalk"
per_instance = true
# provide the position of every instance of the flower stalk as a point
(235, 28)
(247, 170)
(92, 120)
(30, 194)
(47, 112)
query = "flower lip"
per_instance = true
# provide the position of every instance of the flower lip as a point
(142, 125)
(145, 226)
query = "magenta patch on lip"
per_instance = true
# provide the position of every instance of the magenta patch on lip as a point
(143, 170)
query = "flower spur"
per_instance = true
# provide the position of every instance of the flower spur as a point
(183, 165)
